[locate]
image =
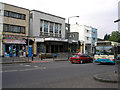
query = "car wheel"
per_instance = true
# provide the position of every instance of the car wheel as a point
(72, 62)
(81, 62)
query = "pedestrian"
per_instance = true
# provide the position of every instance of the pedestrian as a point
(32, 56)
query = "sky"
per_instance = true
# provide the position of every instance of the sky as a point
(99, 14)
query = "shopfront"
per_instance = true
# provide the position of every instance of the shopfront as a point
(14, 46)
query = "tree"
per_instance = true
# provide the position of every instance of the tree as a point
(115, 36)
(107, 37)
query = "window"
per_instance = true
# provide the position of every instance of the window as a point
(60, 29)
(41, 25)
(45, 26)
(22, 29)
(5, 28)
(87, 38)
(14, 15)
(6, 13)
(94, 39)
(51, 27)
(13, 28)
(23, 17)
(56, 28)
(87, 31)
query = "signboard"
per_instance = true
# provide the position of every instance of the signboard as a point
(12, 41)
(104, 44)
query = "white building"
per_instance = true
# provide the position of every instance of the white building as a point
(1, 25)
(48, 32)
(87, 34)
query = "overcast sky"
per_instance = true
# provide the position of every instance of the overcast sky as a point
(99, 14)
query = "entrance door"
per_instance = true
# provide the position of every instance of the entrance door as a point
(17, 50)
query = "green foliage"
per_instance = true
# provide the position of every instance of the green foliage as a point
(106, 37)
(115, 36)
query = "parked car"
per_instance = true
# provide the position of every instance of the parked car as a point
(80, 58)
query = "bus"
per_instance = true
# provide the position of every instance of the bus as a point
(106, 52)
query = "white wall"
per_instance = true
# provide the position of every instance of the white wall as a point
(81, 29)
(36, 22)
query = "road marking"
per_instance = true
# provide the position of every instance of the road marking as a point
(27, 65)
(41, 68)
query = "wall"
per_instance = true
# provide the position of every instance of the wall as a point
(1, 25)
(13, 21)
(35, 22)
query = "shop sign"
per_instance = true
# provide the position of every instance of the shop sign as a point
(12, 41)
(13, 37)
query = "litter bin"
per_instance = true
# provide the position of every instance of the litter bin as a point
(55, 55)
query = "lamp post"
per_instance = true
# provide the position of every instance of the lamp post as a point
(69, 36)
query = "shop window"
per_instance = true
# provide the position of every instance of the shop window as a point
(8, 49)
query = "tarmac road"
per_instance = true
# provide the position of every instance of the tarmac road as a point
(60, 74)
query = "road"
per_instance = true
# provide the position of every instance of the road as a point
(60, 74)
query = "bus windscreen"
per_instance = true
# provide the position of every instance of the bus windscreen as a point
(104, 50)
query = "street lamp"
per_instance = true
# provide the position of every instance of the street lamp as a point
(116, 20)
(69, 36)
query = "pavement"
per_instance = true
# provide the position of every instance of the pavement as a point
(11, 60)
(111, 77)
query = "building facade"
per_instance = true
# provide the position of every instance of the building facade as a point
(15, 25)
(87, 34)
(48, 32)
(93, 38)
(1, 26)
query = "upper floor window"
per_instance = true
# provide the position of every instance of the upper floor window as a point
(87, 38)
(51, 27)
(87, 31)
(94, 39)
(56, 28)
(14, 15)
(60, 29)
(13, 28)
(41, 25)
(45, 26)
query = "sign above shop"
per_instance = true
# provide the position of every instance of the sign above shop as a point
(14, 41)
(13, 37)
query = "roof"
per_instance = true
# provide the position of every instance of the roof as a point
(48, 14)
(15, 6)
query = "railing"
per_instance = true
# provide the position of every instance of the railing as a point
(45, 34)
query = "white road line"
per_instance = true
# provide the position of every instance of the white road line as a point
(27, 65)
(41, 68)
